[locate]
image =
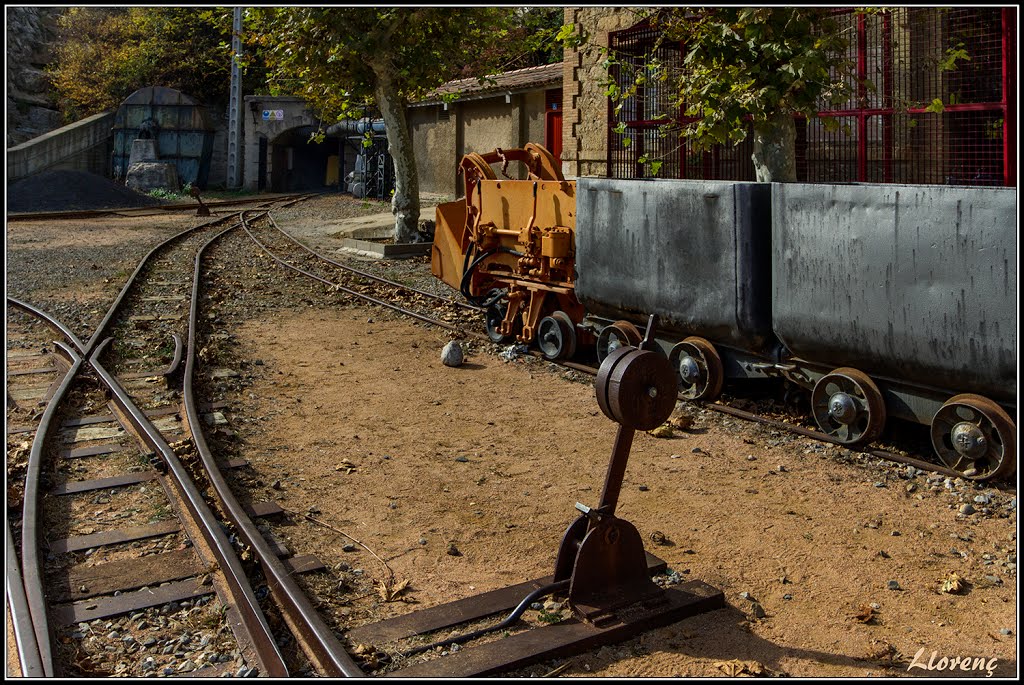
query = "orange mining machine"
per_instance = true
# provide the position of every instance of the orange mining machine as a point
(509, 246)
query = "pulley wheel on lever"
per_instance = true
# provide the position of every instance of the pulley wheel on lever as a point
(636, 388)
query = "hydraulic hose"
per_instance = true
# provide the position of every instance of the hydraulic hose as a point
(468, 274)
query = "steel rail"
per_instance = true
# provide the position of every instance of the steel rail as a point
(17, 603)
(253, 621)
(370, 276)
(799, 430)
(100, 331)
(809, 433)
(32, 574)
(337, 286)
(33, 632)
(88, 213)
(327, 650)
(53, 323)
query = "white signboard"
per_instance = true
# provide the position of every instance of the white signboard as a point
(273, 115)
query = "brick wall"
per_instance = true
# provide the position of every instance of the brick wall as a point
(585, 105)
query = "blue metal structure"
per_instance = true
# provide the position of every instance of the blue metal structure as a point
(180, 125)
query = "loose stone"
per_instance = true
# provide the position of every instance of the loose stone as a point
(452, 355)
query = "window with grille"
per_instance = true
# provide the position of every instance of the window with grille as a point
(886, 133)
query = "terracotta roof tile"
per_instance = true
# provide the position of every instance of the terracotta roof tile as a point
(510, 80)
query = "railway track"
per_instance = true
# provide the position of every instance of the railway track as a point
(96, 569)
(469, 323)
(130, 393)
(419, 304)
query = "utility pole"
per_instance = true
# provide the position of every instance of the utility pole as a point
(235, 106)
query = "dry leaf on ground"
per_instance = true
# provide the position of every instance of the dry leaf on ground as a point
(953, 584)
(742, 669)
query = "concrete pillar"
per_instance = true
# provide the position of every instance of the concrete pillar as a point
(235, 106)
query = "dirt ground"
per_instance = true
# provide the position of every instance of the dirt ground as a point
(831, 564)
(397, 450)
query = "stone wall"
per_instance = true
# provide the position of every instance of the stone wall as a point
(85, 145)
(296, 115)
(31, 105)
(585, 105)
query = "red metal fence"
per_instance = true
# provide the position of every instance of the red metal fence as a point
(886, 135)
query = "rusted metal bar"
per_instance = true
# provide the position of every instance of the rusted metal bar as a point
(336, 286)
(77, 486)
(21, 618)
(49, 321)
(104, 607)
(113, 537)
(326, 649)
(370, 276)
(460, 611)
(30, 529)
(253, 622)
(563, 639)
(616, 470)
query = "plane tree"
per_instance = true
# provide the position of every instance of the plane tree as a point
(344, 60)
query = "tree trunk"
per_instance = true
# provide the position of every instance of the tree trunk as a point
(405, 204)
(775, 149)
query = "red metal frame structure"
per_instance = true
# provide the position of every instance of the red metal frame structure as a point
(886, 133)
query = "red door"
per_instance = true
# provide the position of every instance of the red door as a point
(553, 132)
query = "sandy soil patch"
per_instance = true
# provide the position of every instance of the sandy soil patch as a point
(364, 424)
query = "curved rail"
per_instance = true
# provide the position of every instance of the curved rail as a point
(326, 649)
(49, 321)
(108, 317)
(30, 559)
(336, 286)
(253, 621)
(372, 277)
(21, 618)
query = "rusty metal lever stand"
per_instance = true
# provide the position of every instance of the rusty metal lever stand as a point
(601, 557)
(601, 554)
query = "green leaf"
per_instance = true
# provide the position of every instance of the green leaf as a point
(937, 107)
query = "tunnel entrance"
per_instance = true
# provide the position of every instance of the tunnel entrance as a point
(298, 164)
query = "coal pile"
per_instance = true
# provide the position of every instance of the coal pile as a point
(64, 190)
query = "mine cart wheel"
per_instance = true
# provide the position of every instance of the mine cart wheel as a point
(848, 406)
(493, 317)
(556, 336)
(975, 436)
(698, 369)
(619, 334)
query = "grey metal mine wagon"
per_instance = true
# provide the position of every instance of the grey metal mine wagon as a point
(881, 300)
